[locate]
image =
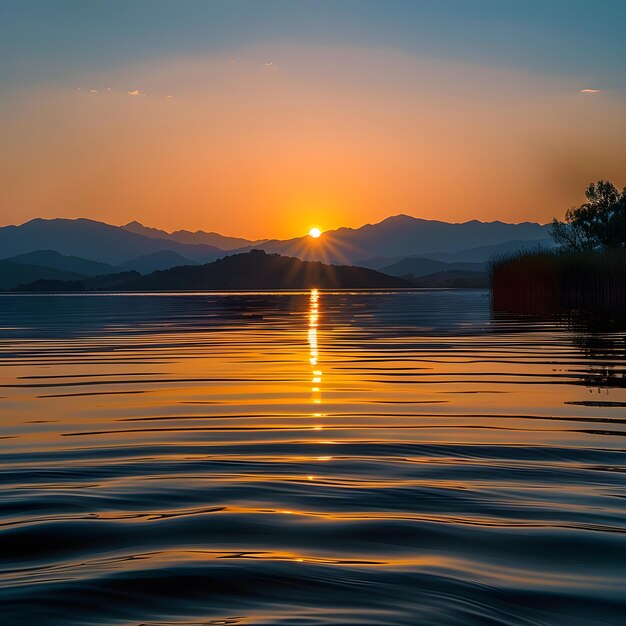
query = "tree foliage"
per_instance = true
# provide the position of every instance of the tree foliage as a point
(598, 224)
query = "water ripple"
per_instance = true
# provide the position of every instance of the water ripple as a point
(309, 459)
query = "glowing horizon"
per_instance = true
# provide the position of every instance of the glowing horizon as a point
(336, 115)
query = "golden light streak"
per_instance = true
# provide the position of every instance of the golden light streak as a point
(316, 378)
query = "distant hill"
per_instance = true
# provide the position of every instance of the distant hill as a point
(380, 245)
(482, 254)
(419, 266)
(191, 237)
(93, 240)
(49, 285)
(144, 264)
(108, 282)
(377, 262)
(258, 270)
(54, 260)
(453, 279)
(162, 260)
(403, 236)
(14, 274)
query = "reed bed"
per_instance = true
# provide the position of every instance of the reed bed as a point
(545, 280)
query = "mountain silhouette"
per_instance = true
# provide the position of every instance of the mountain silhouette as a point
(14, 274)
(54, 260)
(419, 266)
(482, 254)
(392, 240)
(93, 240)
(402, 236)
(259, 270)
(108, 282)
(162, 260)
(456, 279)
(191, 237)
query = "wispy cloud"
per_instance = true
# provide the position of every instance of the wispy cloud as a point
(135, 92)
(93, 91)
(589, 91)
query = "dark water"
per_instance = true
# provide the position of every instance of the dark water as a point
(308, 459)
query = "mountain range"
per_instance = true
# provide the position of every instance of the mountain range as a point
(479, 254)
(245, 270)
(75, 249)
(63, 263)
(51, 265)
(404, 236)
(420, 266)
(14, 274)
(258, 270)
(195, 237)
(394, 238)
(94, 240)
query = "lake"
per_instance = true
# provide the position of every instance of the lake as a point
(309, 459)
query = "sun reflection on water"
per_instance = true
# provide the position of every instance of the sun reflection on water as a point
(467, 438)
(316, 373)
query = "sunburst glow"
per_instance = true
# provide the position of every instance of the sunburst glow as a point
(315, 232)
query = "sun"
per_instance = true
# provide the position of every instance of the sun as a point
(315, 232)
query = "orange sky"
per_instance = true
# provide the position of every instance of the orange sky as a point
(269, 141)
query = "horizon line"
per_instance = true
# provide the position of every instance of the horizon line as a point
(267, 239)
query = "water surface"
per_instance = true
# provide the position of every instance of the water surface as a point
(308, 459)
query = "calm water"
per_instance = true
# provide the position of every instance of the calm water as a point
(308, 459)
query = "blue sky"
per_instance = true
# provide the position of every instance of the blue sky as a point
(579, 38)
(265, 117)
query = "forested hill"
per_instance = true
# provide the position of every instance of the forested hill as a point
(258, 270)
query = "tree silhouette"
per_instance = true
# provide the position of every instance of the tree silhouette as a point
(598, 224)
